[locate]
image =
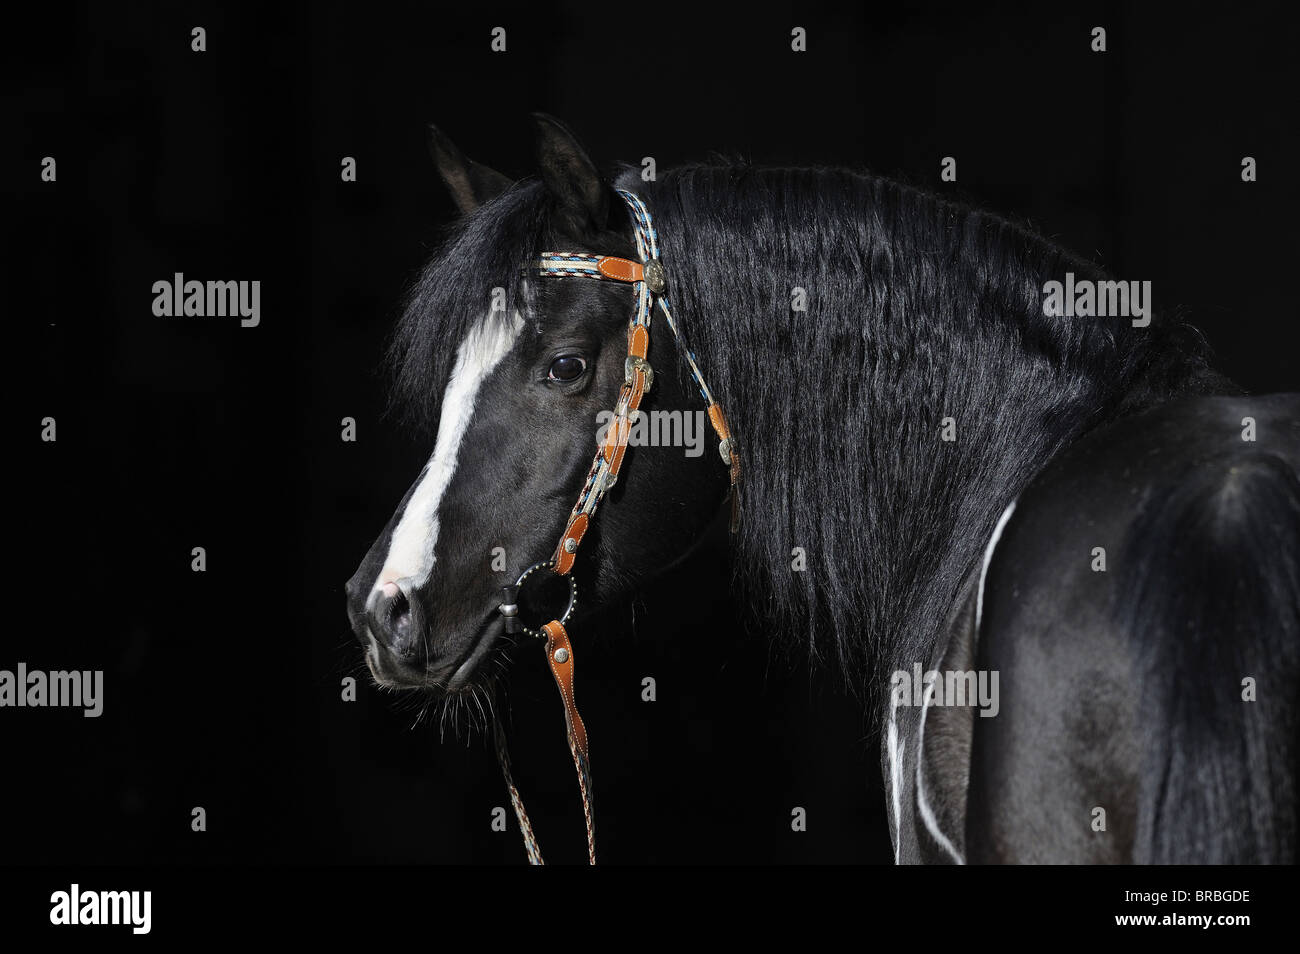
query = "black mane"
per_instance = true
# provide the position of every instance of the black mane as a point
(918, 309)
(493, 247)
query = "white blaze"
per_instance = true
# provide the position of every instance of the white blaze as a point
(410, 551)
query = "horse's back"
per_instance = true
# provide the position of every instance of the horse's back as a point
(1142, 609)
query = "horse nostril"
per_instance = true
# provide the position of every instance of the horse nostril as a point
(399, 618)
(392, 620)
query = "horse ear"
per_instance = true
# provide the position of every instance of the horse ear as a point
(469, 183)
(570, 176)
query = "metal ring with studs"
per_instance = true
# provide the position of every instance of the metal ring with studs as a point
(568, 610)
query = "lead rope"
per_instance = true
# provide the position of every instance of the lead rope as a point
(525, 826)
(648, 282)
(559, 656)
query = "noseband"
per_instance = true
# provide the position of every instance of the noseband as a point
(649, 283)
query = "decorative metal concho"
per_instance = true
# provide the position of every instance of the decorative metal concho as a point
(653, 273)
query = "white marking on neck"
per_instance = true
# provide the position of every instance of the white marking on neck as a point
(922, 803)
(988, 558)
(896, 776)
(410, 551)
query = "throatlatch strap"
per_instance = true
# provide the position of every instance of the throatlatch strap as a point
(559, 656)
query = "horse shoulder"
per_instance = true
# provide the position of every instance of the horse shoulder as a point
(1058, 774)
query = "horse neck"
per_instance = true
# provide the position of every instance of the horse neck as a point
(884, 429)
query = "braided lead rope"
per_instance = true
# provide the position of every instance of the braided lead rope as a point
(584, 785)
(583, 767)
(516, 802)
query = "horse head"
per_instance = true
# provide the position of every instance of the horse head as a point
(528, 370)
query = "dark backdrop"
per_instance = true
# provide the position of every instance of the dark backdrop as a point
(223, 688)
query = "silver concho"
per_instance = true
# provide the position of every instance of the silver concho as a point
(654, 277)
(630, 366)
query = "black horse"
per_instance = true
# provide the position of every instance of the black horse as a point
(1059, 551)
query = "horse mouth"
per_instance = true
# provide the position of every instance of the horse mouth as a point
(489, 635)
(442, 678)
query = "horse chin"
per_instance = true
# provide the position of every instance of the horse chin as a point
(461, 674)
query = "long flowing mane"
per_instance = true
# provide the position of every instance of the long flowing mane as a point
(917, 309)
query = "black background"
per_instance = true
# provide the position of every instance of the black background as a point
(223, 688)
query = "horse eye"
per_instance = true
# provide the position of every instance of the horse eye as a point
(567, 368)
